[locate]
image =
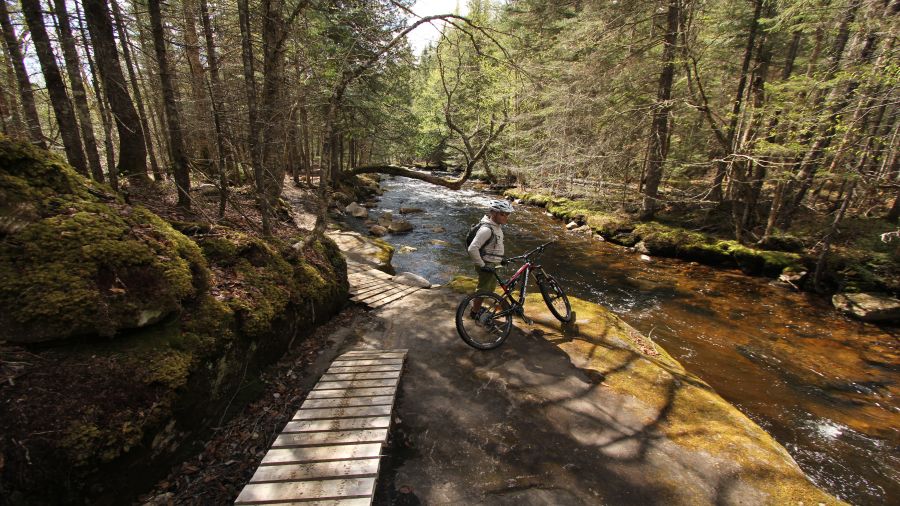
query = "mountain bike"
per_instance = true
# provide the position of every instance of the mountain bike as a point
(488, 326)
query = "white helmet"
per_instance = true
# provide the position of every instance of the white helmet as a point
(501, 206)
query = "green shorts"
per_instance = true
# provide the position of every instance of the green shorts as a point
(487, 281)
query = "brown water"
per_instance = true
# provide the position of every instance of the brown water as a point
(826, 387)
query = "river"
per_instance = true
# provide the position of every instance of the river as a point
(825, 386)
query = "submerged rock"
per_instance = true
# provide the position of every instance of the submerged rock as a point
(411, 210)
(400, 226)
(357, 211)
(378, 230)
(868, 307)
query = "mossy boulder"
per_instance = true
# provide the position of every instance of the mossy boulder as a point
(75, 260)
(93, 419)
(680, 408)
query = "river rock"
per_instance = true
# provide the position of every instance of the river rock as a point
(378, 230)
(406, 249)
(868, 307)
(400, 226)
(792, 278)
(438, 230)
(646, 258)
(584, 229)
(411, 210)
(438, 242)
(641, 248)
(599, 238)
(572, 225)
(410, 279)
(385, 219)
(357, 211)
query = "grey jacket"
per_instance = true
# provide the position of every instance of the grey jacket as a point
(493, 252)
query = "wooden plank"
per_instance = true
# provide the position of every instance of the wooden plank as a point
(356, 436)
(333, 385)
(373, 354)
(345, 402)
(377, 288)
(357, 286)
(374, 295)
(360, 279)
(351, 392)
(392, 299)
(359, 501)
(311, 471)
(321, 453)
(325, 413)
(349, 376)
(364, 368)
(373, 289)
(380, 361)
(372, 422)
(262, 493)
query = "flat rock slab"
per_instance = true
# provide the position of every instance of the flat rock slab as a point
(329, 453)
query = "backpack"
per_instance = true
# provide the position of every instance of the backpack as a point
(473, 230)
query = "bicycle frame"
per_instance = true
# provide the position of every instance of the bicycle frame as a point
(524, 270)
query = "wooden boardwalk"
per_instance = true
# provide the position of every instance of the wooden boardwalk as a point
(329, 452)
(374, 288)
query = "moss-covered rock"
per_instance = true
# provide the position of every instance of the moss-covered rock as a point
(93, 418)
(75, 260)
(680, 408)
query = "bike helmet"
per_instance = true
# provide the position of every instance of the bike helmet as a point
(501, 206)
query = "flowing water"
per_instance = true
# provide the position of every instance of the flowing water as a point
(826, 387)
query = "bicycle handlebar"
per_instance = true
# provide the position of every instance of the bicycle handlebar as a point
(527, 256)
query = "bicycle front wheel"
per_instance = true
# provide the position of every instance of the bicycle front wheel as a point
(556, 299)
(486, 325)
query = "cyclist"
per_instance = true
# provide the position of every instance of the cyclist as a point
(486, 249)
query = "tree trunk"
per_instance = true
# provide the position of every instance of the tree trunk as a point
(138, 96)
(73, 68)
(108, 149)
(253, 143)
(215, 102)
(737, 103)
(180, 165)
(56, 88)
(829, 237)
(132, 151)
(200, 139)
(657, 146)
(806, 167)
(26, 94)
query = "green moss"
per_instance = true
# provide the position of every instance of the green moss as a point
(385, 254)
(463, 284)
(678, 406)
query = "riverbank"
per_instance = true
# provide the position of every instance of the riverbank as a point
(861, 262)
(824, 385)
(592, 413)
(131, 329)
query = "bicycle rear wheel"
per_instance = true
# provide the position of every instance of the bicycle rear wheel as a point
(556, 299)
(487, 328)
